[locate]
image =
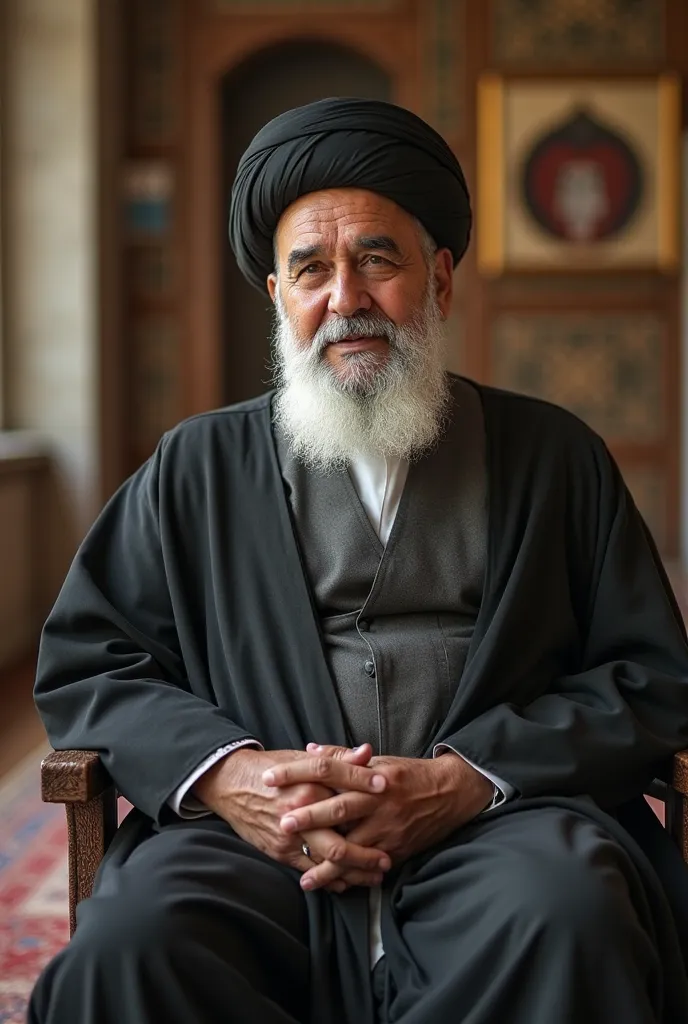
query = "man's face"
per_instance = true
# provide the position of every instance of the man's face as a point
(360, 296)
(347, 252)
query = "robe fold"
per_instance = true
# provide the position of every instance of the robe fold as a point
(187, 622)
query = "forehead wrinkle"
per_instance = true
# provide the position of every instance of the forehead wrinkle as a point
(352, 238)
(335, 227)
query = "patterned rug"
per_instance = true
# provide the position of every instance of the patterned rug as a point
(33, 886)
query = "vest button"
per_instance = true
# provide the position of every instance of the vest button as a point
(369, 668)
(363, 625)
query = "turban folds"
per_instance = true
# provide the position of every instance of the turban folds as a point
(340, 143)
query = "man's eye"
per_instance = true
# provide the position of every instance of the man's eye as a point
(376, 260)
(312, 268)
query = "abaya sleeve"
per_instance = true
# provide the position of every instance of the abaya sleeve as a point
(110, 673)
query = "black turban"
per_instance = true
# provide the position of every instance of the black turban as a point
(339, 143)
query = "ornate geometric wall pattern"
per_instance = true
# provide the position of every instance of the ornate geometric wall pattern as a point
(152, 272)
(155, 379)
(157, 68)
(607, 369)
(294, 6)
(515, 289)
(445, 22)
(578, 32)
(647, 484)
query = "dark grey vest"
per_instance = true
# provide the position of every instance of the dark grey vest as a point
(396, 621)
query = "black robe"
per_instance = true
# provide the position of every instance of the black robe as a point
(186, 622)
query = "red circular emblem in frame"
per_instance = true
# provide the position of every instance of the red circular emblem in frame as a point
(582, 182)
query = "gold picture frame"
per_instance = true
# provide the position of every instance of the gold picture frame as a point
(522, 130)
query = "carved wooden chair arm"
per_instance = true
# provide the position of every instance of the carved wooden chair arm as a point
(676, 802)
(679, 774)
(72, 776)
(78, 779)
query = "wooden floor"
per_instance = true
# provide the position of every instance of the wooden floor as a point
(21, 730)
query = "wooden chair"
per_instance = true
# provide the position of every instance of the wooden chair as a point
(78, 779)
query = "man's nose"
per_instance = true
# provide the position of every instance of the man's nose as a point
(348, 294)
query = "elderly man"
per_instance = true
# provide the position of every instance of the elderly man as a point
(384, 659)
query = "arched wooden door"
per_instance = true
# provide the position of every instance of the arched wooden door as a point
(273, 80)
(238, 80)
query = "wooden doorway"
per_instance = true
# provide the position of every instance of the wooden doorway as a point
(242, 71)
(275, 79)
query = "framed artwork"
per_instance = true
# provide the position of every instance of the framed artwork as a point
(578, 174)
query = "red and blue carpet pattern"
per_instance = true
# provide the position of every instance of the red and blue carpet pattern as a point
(33, 887)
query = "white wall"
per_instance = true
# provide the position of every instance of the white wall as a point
(50, 252)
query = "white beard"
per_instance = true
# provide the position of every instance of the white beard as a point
(396, 409)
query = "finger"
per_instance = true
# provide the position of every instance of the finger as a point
(326, 873)
(343, 877)
(350, 880)
(327, 771)
(302, 862)
(301, 796)
(353, 755)
(330, 813)
(369, 878)
(326, 844)
(367, 834)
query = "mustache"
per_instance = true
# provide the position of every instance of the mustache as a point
(364, 325)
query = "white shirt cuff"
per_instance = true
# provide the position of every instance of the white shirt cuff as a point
(503, 791)
(188, 806)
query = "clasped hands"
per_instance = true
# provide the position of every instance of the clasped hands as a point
(356, 813)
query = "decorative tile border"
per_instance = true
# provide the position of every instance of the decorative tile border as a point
(444, 61)
(153, 272)
(587, 33)
(157, 72)
(296, 6)
(156, 378)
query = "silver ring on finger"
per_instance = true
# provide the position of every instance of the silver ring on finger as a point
(306, 850)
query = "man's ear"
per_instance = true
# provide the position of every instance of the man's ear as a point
(272, 286)
(444, 280)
